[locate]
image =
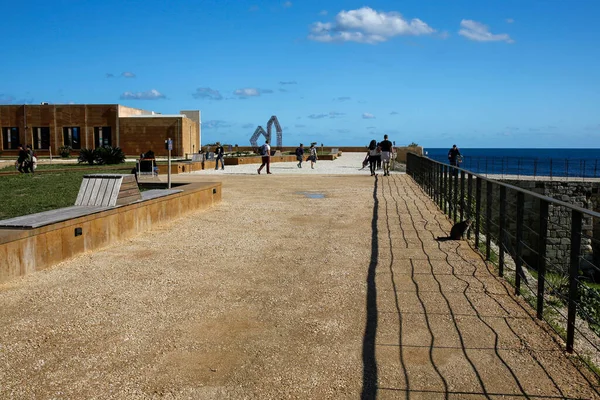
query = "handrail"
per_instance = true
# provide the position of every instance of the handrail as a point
(518, 189)
(550, 239)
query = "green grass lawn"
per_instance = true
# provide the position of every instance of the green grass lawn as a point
(27, 194)
(74, 164)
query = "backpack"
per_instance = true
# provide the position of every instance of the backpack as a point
(263, 150)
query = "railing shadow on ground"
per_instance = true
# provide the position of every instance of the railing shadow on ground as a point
(411, 210)
(500, 219)
(369, 389)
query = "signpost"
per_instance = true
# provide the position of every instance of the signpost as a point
(169, 146)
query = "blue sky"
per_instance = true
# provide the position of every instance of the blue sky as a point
(510, 73)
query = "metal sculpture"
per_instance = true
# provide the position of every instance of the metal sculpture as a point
(260, 131)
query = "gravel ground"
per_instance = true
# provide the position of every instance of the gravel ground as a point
(327, 286)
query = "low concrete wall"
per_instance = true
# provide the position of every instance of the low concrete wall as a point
(179, 167)
(401, 152)
(23, 251)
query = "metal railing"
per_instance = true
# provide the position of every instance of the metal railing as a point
(504, 167)
(544, 247)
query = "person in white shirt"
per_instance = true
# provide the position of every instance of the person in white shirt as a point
(313, 155)
(265, 151)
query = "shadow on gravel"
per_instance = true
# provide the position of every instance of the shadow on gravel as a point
(369, 388)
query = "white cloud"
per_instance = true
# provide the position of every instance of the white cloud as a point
(149, 95)
(366, 25)
(368, 116)
(109, 75)
(510, 20)
(248, 126)
(323, 12)
(288, 82)
(251, 92)
(331, 114)
(343, 98)
(287, 4)
(479, 32)
(394, 113)
(207, 93)
(128, 75)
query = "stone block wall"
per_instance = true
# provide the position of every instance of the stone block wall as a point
(558, 243)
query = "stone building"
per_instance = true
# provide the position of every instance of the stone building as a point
(47, 127)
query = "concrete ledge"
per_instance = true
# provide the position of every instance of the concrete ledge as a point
(23, 251)
(327, 157)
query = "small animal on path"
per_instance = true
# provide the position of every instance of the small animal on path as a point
(458, 231)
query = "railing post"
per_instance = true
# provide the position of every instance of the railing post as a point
(488, 219)
(450, 187)
(576, 220)
(520, 225)
(441, 186)
(446, 189)
(477, 211)
(502, 227)
(541, 257)
(455, 194)
(430, 178)
(469, 201)
(462, 195)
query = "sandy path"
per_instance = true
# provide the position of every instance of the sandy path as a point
(273, 294)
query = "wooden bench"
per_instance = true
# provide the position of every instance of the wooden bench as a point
(97, 193)
(108, 190)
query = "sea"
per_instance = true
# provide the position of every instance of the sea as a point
(527, 162)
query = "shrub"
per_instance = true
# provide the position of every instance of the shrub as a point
(109, 155)
(413, 144)
(87, 156)
(65, 151)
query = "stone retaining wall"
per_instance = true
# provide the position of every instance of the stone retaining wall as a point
(558, 244)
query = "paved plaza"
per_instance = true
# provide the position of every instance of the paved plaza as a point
(326, 286)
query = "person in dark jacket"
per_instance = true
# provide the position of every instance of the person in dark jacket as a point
(300, 154)
(22, 160)
(454, 157)
(374, 154)
(219, 153)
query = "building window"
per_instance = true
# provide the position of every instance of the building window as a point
(10, 138)
(72, 137)
(102, 136)
(41, 138)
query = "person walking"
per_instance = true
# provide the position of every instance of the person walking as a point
(386, 151)
(31, 159)
(373, 155)
(313, 155)
(21, 160)
(454, 158)
(219, 153)
(300, 155)
(265, 152)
